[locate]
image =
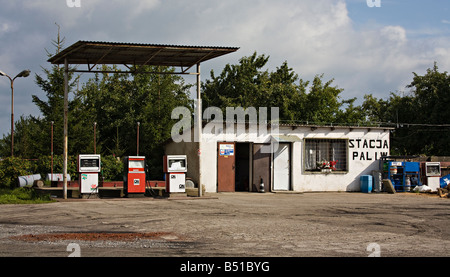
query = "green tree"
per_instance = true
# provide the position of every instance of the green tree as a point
(29, 133)
(375, 110)
(323, 102)
(430, 106)
(351, 114)
(419, 116)
(117, 102)
(244, 85)
(288, 92)
(400, 111)
(52, 109)
(11, 168)
(247, 84)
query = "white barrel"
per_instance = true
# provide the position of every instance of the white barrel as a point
(56, 177)
(28, 180)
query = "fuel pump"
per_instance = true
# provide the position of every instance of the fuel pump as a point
(134, 177)
(433, 174)
(175, 168)
(89, 167)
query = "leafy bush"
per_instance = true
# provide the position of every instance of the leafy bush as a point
(43, 165)
(112, 168)
(11, 168)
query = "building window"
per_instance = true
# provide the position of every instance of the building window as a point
(326, 155)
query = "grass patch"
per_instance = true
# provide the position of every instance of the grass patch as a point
(23, 196)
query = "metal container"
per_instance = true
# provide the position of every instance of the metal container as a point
(28, 180)
(377, 180)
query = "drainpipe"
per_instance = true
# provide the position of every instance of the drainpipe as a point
(199, 130)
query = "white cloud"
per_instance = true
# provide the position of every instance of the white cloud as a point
(4, 28)
(394, 34)
(314, 37)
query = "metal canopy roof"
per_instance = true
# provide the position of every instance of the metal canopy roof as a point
(93, 53)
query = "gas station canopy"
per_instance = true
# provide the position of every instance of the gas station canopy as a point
(92, 53)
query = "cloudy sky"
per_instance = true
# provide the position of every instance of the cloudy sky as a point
(365, 49)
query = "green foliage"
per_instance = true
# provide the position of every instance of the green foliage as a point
(430, 104)
(23, 196)
(117, 102)
(351, 115)
(43, 165)
(112, 168)
(418, 116)
(248, 85)
(10, 170)
(52, 110)
(375, 110)
(323, 104)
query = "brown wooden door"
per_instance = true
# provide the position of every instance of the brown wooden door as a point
(261, 168)
(226, 158)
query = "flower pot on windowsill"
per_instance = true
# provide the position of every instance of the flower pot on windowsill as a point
(326, 170)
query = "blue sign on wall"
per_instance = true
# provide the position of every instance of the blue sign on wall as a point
(226, 150)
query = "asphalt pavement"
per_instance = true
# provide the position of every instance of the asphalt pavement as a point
(231, 225)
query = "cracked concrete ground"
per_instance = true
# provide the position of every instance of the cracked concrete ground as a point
(234, 225)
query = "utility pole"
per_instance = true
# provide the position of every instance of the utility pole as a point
(137, 138)
(51, 170)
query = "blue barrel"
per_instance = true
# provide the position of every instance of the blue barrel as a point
(366, 183)
(444, 181)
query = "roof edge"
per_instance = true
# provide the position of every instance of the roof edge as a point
(59, 57)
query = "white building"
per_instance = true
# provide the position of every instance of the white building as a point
(238, 162)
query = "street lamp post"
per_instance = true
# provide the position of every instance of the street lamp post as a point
(137, 138)
(95, 137)
(24, 73)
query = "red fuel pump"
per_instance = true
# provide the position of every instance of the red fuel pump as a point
(134, 175)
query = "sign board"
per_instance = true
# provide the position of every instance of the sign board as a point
(226, 149)
(89, 163)
(175, 163)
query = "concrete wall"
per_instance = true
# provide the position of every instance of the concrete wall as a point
(190, 150)
(365, 147)
(364, 150)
